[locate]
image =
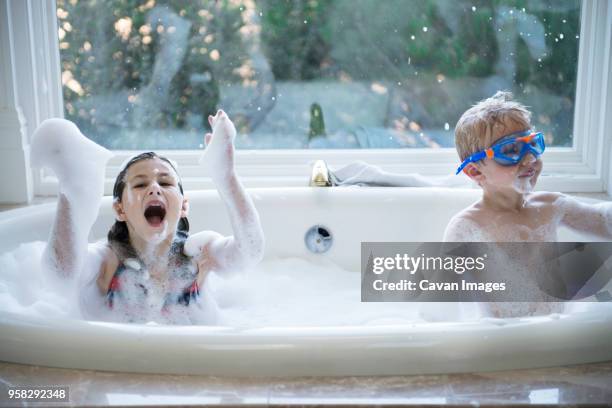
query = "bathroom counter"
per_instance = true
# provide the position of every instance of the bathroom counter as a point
(573, 385)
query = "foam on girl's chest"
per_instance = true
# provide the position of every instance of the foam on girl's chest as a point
(144, 298)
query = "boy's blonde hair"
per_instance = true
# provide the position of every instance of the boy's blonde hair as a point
(487, 121)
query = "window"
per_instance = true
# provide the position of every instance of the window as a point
(42, 85)
(299, 74)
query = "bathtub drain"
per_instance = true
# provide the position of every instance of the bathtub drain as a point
(318, 239)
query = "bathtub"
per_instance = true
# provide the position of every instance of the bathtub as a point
(352, 215)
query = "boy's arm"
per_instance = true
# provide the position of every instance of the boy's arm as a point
(592, 219)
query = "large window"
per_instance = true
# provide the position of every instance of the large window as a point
(301, 74)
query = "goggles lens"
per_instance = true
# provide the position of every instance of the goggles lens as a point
(511, 151)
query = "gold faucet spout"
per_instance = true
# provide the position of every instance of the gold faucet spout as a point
(320, 176)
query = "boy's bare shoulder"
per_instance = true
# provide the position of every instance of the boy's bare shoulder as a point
(556, 202)
(466, 226)
(546, 197)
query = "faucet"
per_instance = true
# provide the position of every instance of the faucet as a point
(320, 176)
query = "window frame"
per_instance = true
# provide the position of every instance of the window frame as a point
(584, 167)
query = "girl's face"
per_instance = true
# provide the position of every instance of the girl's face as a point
(152, 203)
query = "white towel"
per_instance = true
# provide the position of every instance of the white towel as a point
(364, 174)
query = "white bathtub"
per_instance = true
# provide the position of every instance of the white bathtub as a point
(353, 216)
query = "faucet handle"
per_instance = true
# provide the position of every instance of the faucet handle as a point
(320, 176)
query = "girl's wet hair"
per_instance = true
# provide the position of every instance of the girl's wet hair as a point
(119, 236)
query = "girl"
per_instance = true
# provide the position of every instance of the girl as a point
(149, 269)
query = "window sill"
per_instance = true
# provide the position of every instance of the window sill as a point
(563, 169)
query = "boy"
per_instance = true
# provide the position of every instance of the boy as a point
(501, 153)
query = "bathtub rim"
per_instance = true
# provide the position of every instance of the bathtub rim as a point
(470, 346)
(363, 190)
(106, 201)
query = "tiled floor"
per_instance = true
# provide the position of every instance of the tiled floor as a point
(571, 385)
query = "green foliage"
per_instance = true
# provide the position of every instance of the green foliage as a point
(436, 49)
(317, 122)
(386, 41)
(96, 55)
(476, 40)
(371, 39)
(560, 67)
(302, 39)
(295, 35)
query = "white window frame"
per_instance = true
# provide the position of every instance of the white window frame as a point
(582, 168)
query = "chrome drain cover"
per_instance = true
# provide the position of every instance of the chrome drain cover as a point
(318, 239)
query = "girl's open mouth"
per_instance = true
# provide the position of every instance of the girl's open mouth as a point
(528, 173)
(155, 213)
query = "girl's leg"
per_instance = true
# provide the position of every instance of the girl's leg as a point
(79, 165)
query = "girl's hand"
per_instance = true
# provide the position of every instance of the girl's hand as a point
(219, 153)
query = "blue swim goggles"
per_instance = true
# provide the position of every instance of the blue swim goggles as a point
(510, 150)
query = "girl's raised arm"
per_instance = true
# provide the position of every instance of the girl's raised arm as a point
(246, 247)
